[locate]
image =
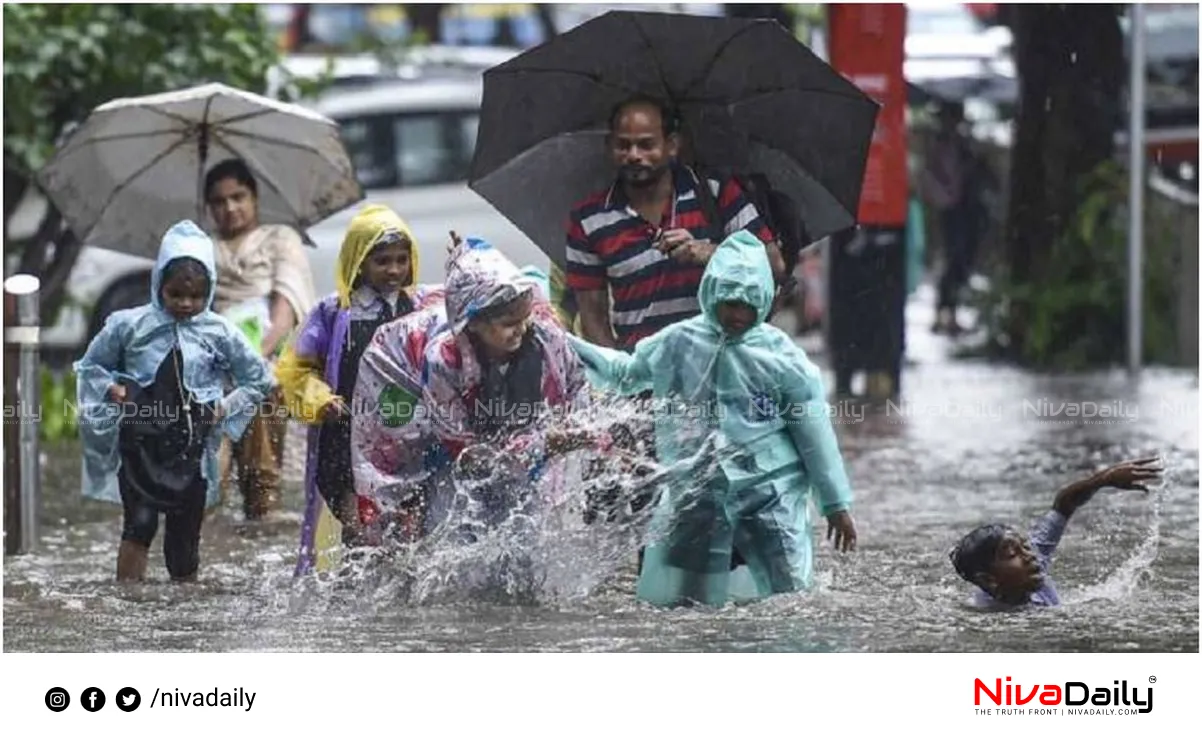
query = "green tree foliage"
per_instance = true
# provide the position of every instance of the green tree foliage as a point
(1075, 311)
(61, 61)
(1070, 62)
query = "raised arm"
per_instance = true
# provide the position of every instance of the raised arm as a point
(1132, 475)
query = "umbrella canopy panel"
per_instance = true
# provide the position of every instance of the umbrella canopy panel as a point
(750, 98)
(137, 165)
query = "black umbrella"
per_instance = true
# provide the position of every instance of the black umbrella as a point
(751, 99)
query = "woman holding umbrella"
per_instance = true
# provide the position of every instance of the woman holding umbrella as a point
(264, 284)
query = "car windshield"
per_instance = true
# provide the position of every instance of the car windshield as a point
(408, 149)
(940, 21)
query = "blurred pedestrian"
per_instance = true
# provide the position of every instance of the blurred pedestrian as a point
(954, 181)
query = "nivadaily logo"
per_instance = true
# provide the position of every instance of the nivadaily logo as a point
(1069, 697)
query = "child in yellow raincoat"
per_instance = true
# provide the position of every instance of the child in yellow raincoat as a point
(377, 273)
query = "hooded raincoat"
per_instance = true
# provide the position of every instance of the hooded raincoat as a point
(760, 402)
(479, 277)
(309, 370)
(396, 458)
(130, 349)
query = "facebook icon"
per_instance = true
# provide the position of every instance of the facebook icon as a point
(92, 699)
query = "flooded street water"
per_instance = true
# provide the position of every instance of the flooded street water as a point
(969, 443)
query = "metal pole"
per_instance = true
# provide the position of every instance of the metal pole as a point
(1135, 235)
(24, 334)
(12, 445)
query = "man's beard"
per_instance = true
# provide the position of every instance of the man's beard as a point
(641, 176)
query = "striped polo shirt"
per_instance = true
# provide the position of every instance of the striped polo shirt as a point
(609, 246)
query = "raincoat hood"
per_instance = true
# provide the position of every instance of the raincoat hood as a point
(738, 271)
(184, 240)
(368, 226)
(480, 277)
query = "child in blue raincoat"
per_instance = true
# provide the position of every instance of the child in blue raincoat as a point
(153, 406)
(746, 402)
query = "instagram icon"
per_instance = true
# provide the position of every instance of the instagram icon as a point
(57, 699)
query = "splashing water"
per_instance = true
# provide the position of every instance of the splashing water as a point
(1125, 580)
(921, 481)
(504, 540)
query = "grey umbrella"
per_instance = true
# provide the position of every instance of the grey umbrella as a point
(136, 165)
(751, 99)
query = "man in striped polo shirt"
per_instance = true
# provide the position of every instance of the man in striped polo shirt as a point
(646, 239)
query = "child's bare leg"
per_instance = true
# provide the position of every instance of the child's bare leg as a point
(131, 561)
(138, 526)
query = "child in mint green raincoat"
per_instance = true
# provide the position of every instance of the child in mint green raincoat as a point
(748, 402)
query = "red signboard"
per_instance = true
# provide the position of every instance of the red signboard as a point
(867, 46)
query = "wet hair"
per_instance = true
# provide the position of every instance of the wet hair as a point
(668, 115)
(977, 550)
(392, 237)
(504, 304)
(233, 168)
(737, 303)
(389, 237)
(184, 268)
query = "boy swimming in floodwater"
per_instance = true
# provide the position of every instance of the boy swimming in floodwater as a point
(1012, 570)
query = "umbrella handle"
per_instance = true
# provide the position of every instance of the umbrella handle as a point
(202, 150)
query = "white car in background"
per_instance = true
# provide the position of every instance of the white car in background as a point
(411, 142)
(412, 145)
(355, 70)
(945, 40)
(949, 51)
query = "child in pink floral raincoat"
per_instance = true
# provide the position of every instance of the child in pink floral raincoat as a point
(502, 365)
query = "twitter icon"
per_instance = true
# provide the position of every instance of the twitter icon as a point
(128, 699)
